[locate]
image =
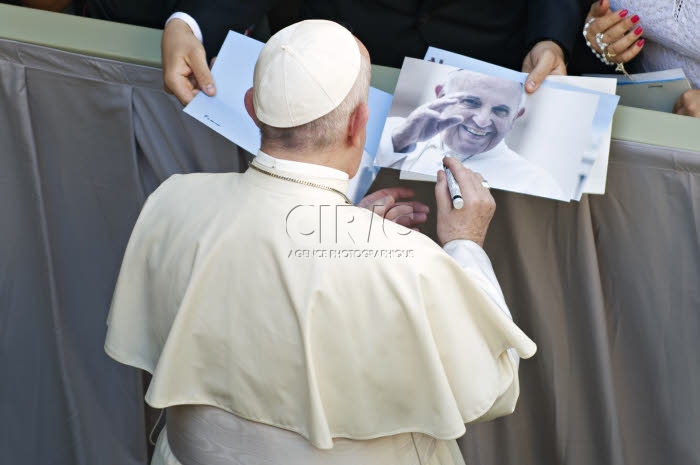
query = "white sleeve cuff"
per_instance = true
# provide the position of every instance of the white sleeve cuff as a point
(190, 22)
(472, 259)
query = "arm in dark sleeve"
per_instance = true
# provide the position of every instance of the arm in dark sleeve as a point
(556, 20)
(216, 17)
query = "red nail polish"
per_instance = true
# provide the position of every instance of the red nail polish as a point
(640, 43)
(623, 13)
(635, 19)
(601, 2)
(638, 31)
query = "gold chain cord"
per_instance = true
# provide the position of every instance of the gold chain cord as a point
(305, 183)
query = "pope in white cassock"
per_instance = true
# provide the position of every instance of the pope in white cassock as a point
(468, 120)
(283, 325)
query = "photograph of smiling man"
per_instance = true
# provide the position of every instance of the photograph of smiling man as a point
(484, 121)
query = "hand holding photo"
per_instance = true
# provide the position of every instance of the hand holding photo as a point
(441, 111)
(225, 112)
(593, 170)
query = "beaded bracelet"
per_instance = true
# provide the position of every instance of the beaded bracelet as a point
(605, 56)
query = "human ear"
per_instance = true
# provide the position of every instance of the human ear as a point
(249, 107)
(357, 126)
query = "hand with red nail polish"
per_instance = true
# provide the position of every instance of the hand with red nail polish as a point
(656, 35)
(620, 41)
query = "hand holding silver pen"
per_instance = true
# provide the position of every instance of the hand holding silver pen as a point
(453, 187)
(464, 210)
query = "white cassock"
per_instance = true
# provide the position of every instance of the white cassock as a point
(500, 166)
(301, 315)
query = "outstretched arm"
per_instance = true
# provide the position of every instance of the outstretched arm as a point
(216, 17)
(551, 33)
(185, 69)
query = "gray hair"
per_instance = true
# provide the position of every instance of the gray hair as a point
(327, 130)
(452, 74)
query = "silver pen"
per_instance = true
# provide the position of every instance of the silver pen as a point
(453, 187)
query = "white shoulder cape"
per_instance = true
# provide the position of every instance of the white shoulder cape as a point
(213, 302)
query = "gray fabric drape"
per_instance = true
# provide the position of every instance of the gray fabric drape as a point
(610, 291)
(82, 143)
(607, 287)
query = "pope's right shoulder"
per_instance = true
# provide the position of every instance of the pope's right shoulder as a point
(184, 185)
(190, 194)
